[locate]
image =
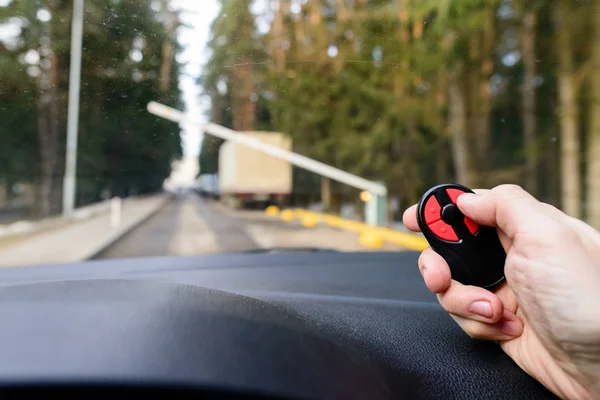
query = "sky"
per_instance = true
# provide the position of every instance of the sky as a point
(198, 14)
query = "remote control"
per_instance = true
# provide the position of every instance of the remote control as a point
(473, 252)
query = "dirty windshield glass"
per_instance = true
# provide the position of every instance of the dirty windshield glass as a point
(137, 128)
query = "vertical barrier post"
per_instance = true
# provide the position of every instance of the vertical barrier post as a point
(116, 205)
(381, 207)
(375, 208)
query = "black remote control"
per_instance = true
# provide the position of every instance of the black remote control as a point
(473, 252)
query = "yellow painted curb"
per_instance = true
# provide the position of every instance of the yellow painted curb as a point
(407, 240)
(370, 240)
(287, 215)
(310, 221)
(272, 211)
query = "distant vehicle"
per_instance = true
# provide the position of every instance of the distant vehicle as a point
(208, 186)
(250, 177)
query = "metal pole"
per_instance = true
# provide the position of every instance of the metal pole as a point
(73, 116)
(294, 158)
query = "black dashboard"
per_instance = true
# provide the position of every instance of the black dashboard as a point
(311, 325)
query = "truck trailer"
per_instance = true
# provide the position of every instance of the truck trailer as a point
(249, 177)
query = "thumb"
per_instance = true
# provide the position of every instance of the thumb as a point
(507, 207)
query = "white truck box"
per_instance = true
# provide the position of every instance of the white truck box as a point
(248, 175)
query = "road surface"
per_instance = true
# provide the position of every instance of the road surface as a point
(190, 225)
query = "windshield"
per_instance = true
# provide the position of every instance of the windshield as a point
(186, 127)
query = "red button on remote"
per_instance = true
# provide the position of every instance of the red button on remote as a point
(443, 231)
(473, 252)
(433, 211)
(471, 226)
(453, 194)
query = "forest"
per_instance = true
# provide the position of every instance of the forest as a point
(419, 92)
(129, 50)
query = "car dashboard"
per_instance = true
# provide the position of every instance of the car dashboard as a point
(289, 325)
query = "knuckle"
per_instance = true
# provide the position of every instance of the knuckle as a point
(508, 192)
(556, 214)
(476, 330)
(508, 188)
(552, 208)
(562, 233)
(445, 305)
(452, 304)
(504, 196)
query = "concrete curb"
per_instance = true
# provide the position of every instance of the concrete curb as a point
(33, 227)
(135, 224)
(411, 241)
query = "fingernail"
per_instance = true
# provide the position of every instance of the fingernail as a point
(511, 328)
(482, 308)
(423, 271)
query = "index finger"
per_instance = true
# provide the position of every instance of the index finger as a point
(410, 215)
(507, 207)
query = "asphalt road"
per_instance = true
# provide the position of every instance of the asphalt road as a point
(190, 225)
(178, 229)
(150, 239)
(231, 234)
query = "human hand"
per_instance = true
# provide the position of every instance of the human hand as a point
(546, 315)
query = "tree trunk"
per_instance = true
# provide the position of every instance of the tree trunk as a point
(412, 169)
(457, 122)
(474, 126)
(217, 106)
(55, 134)
(278, 37)
(326, 194)
(299, 36)
(341, 11)
(593, 156)
(483, 106)
(167, 48)
(442, 173)
(529, 101)
(165, 67)
(472, 79)
(343, 48)
(569, 115)
(5, 190)
(318, 39)
(48, 130)
(243, 107)
(440, 102)
(46, 172)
